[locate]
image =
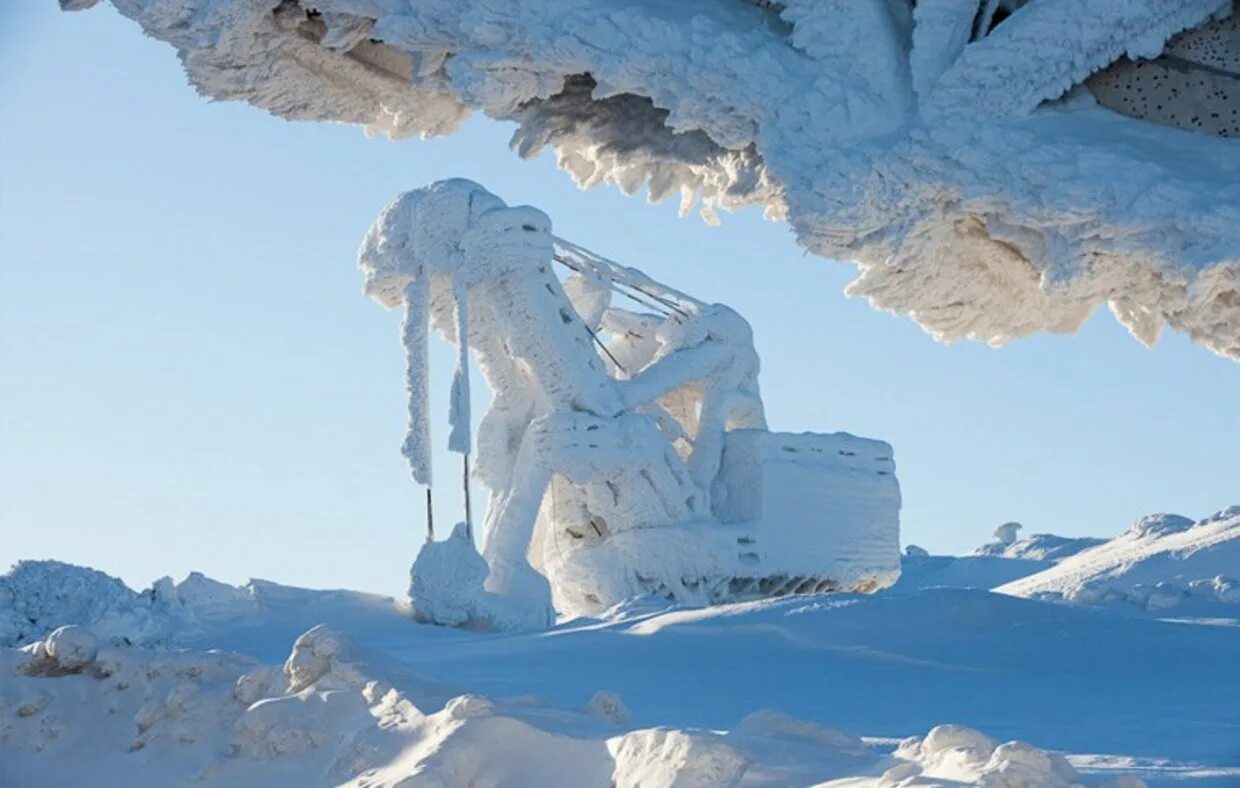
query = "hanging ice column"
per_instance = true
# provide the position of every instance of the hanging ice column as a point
(625, 450)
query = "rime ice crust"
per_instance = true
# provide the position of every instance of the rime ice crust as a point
(625, 451)
(36, 596)
(448, 587)
(978, 188)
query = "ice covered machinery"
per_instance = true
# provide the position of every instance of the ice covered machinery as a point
(625, 449)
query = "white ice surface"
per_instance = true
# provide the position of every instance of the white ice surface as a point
(979, 188)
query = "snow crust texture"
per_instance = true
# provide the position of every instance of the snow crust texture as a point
(1165, 564)
(271, 685)
(70, 711)
(963, 164)
(38, 596)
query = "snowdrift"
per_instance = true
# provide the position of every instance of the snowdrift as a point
(1039, 547)
(38, 596)
(918, 572)
(990, 565)
(1164, 564)
(995, 168)
(73, 711)
(372, 695)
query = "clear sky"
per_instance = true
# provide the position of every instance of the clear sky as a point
(190, 377)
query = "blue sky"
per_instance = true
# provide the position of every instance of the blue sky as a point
(191, 379)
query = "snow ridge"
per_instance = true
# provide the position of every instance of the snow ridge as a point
(1163, 564)
(1040, 547)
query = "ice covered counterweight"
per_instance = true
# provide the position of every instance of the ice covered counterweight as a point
(625, 449)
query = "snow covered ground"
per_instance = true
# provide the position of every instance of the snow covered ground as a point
(1164, 564)
(776, 692)
(990, 565)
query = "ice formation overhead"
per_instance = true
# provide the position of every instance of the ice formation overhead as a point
(995, 168)
(626, 449)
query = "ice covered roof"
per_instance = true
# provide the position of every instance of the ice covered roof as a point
(953, 150)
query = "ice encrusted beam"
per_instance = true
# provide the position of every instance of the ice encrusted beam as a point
(1047, 47)
(996, 201)
(941, 30)
(414, 334)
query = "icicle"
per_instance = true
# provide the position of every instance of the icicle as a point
(413, 335)
(458, 414)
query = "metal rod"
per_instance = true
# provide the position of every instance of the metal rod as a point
(617, 286)
(634, 278)
(593, 334)
(430, 516)
(606, 350)
(469, 519)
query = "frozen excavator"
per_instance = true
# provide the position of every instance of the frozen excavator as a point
(625, 450)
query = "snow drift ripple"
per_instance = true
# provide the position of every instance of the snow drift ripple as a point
(73, 711)
(994, 201)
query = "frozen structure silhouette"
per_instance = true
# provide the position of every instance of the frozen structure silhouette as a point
(626, 450)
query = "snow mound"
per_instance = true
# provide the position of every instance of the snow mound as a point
(956, 753)
(918, 572)
(1040, 547)
(447, 587)
(129, 715)
(1162, 564)
(36, 597)
(1160, 524)
(71, 648)
(445, 582)
(68, 649)
(72, 711)
(996, 563)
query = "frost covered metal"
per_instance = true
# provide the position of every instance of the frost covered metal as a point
(995, 167)
(626, 450)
